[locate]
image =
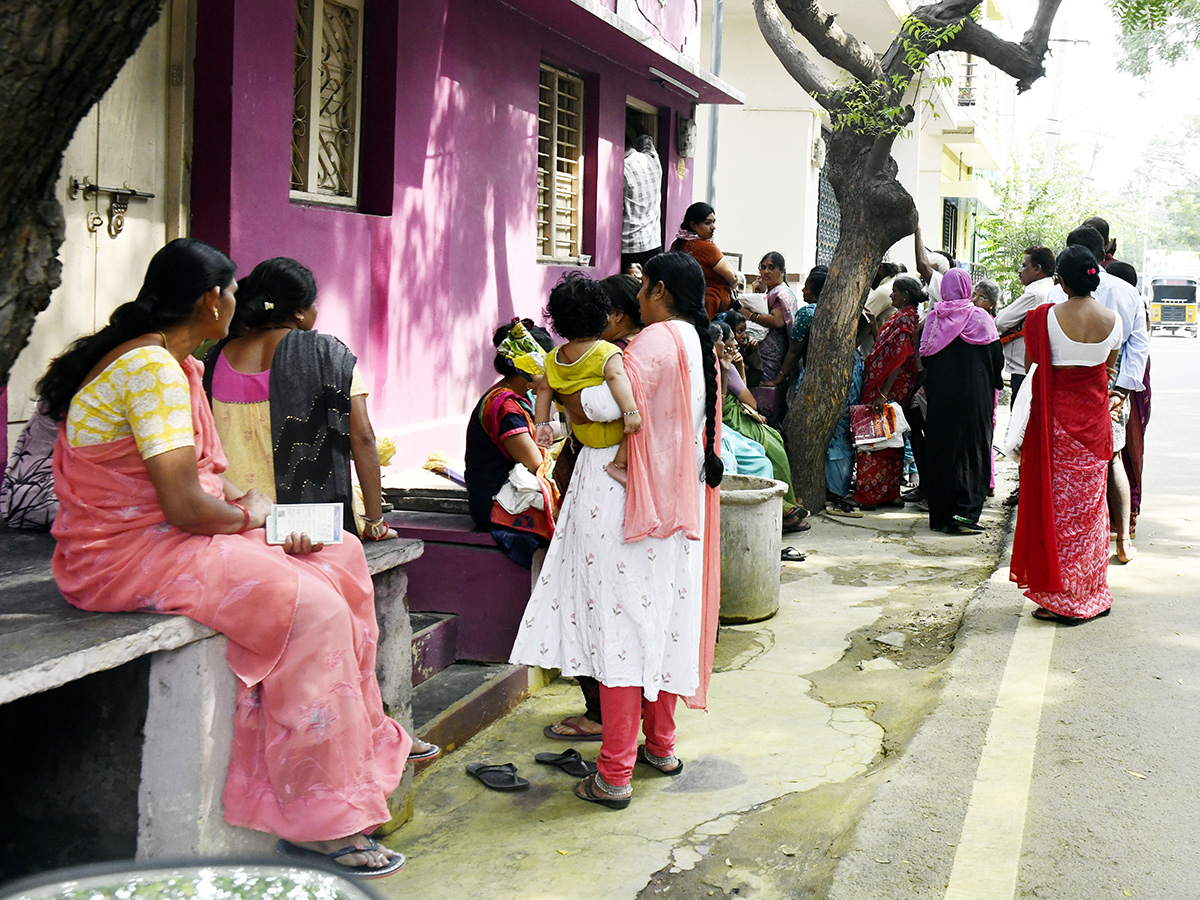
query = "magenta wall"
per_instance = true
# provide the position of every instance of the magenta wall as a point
(415, 293)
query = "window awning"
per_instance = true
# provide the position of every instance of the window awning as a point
(590, 25)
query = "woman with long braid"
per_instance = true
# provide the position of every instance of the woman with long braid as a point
(630, 588)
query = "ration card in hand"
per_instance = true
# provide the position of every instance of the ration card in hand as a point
(322, 522)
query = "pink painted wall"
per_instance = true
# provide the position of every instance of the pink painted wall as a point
(676, 24)
(417, 290)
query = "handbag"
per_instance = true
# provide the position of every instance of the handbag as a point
(1018, 418)
(877, 431)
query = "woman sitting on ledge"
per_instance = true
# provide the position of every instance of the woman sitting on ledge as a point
(289, 404)
(147, 522)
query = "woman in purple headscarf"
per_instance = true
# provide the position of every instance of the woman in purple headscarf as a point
(960, 351)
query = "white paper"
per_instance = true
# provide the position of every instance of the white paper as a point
(757, 303)
(322, 522)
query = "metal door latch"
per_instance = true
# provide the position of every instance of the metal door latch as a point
(117, 205)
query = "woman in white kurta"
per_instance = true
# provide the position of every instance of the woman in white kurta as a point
(622, 595)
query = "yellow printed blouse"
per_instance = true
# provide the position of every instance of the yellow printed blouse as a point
(143, 393)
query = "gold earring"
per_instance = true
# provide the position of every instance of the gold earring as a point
(216, 314)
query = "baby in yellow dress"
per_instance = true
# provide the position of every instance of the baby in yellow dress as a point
(579, 311)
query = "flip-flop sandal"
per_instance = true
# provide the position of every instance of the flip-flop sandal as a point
(796, 526)
(433, 752)
(328, 861)
(671, 773)
(569, 761)
(593, 794)
(791, 554)
(571, 734)
(502, 777)
(1045, 615)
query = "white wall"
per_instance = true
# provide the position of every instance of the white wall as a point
(765, 185)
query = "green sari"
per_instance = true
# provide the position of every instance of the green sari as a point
(733, 416)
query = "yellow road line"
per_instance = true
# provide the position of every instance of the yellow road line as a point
(988, 854)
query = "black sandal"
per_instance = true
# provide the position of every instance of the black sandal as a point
(644, 757)
(791, 554)
(593, 793)
(1045, 615)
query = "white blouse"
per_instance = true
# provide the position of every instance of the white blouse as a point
(1066, 352)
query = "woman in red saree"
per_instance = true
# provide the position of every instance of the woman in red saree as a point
(1060, 550)
(147, 522)
(890, 375)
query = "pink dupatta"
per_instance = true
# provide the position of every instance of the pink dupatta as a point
(117, 553)
(661, 497)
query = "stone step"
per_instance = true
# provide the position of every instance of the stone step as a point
(434, 644)
(463, 699)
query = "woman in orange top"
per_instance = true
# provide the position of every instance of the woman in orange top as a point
(695, 239)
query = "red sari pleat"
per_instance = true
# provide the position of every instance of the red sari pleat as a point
(314, 756)
(1060, 549)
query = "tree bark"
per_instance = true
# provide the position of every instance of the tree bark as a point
(876, 212)
(56, 61)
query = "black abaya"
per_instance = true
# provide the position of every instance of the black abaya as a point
(961, 381)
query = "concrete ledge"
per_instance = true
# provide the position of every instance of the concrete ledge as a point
(46, 643)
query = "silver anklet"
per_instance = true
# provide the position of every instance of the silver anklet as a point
(613, 790)
(663, 762)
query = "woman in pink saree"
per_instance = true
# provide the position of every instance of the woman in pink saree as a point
(147, 522)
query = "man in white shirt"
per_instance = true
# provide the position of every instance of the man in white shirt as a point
(1123, 299)
(641, 212)
(931, 266)
(1036, 273)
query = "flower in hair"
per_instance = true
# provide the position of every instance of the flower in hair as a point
(267, 304)
(1091, 271)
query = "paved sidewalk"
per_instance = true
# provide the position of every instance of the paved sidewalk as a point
(765, 736)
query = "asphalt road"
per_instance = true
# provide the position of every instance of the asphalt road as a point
(1061, 762)
(1113, 807)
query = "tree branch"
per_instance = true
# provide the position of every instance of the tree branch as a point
(799, 66)
(1024, 61)
(820, 28)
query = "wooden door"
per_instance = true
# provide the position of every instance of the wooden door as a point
(125, 141)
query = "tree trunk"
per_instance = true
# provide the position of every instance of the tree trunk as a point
(56, 60)
(876, 212)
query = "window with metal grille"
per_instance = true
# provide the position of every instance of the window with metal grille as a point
(950, 227)
(327, 100)
(560, 165)
(829, 214)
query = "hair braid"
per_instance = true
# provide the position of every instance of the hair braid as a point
(714, 468)
(683, 278)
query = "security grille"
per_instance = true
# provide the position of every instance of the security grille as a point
(326, 100)
(829, 214)
(950, 227)
(560, 165)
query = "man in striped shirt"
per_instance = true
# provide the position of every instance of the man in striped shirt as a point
(641, 223)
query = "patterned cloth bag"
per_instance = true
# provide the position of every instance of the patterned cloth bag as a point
(27, 498)
(877, 431)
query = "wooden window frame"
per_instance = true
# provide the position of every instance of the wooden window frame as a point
(306, 120)
(549, 202)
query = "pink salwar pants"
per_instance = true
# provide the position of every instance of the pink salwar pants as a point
(625, 711)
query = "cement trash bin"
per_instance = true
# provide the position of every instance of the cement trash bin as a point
(751, 538)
